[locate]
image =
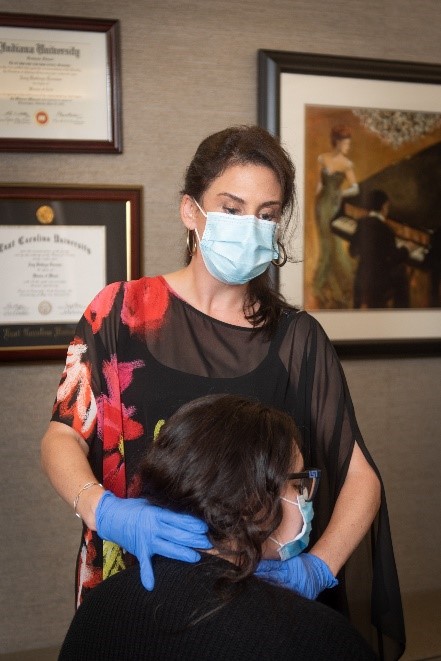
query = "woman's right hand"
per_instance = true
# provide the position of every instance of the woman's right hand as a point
(145, 530)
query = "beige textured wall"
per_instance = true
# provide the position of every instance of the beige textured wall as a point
(188, 69)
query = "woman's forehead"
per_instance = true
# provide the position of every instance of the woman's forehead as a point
(245, 181)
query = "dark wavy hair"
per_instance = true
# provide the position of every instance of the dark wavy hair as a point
(239, 145)
(243, 145)
(224, 459)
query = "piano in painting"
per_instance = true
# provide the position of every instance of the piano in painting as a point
(414, 188)
(416, 241)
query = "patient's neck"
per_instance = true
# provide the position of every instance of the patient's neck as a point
(226, 552)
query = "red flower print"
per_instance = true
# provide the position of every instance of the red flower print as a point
(115, 422)
(145, 303)
(101, 305)
(114, 471)
(88, 575)
(75, 398)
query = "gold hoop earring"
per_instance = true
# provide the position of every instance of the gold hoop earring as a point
(280, 262)
(191, 242)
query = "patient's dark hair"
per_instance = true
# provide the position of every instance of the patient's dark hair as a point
(224, 459)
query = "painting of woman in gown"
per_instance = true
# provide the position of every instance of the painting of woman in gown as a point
(397, 151)
(336, 179)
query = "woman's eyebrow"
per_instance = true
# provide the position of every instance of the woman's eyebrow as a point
(241, 201)
(231, 196)
(271, 203)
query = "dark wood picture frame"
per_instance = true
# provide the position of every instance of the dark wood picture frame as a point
(115, 213)
(419, 331)
(110, 80)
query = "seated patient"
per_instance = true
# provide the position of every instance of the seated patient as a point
(229, 461)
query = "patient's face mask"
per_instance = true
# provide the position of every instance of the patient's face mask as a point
(236, 249)
(300, 542)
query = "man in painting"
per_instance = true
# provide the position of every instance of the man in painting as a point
(381, 279)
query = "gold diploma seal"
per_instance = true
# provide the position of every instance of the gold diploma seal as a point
(45, 215)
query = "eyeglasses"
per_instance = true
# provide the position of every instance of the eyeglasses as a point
(306, 482)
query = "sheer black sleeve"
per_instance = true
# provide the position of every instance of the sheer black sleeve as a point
(368, 590)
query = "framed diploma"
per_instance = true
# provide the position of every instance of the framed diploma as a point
(59, 246)
(59, 84)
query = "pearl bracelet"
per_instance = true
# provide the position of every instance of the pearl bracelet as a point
(86, 486)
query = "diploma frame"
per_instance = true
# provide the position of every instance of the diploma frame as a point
(353, 332)
(109, 82)
(117, 210)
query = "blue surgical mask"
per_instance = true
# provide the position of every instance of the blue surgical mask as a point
(236, 249)
(300, 542)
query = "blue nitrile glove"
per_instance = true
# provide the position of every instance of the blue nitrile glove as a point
(145, 530)
(306, 574)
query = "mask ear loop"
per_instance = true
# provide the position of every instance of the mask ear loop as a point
(199, 207)
(300, 534)
(280, 262)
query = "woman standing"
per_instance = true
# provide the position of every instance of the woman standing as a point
(143, 348)
(336, 180)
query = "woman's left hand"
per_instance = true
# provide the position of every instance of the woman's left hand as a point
(306, 574)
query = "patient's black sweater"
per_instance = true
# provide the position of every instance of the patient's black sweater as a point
(119, 620)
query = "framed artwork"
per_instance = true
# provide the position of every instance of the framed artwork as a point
(59, 246)
(59, 84)
(360, 131)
